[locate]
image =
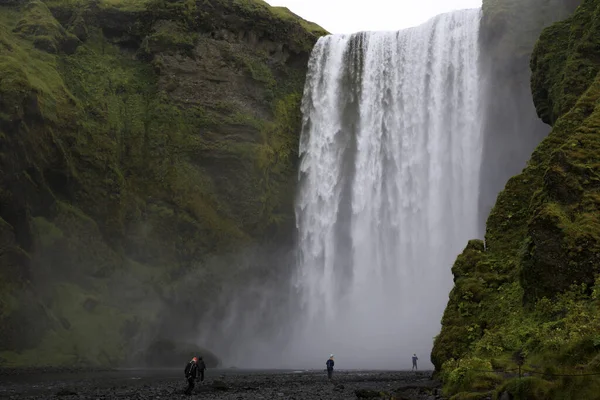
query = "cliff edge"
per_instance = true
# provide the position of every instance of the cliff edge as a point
(529, 295)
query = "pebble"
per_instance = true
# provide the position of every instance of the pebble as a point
(240, 386)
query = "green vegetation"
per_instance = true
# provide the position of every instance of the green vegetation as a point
(285, 13)
(512, 27)
(38, 25)
(534, 289)
(136, 144)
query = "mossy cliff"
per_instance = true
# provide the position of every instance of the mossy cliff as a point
(532, 291)
(509, 30)
(137, 140)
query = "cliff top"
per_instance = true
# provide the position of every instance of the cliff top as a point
(275, 23)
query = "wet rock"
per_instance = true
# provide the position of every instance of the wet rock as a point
(220, 385)
(167, 384)
(65, 323)
(66, 392)
(504, 396)
(368, 394)
(90, 304)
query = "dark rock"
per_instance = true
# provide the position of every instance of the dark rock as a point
(46, 33)
(220, 385)
(368, 394)
(308, 386)
(78, 27)
(66, 392)
(90, 304)
(505, 396)
(69, 44)
(65, 323)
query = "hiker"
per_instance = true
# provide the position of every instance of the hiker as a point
(201, 368)
(330, 363)
(191, 374)
(414, 360)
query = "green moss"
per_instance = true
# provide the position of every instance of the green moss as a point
(124, 188)
(470, 396)
(169, 36)
(48, 233)
(285, 13)
(259, 70)
(38, 25)
(69, 343)
(124, 5)
(132, 5)
(564, 62)
(30, 80)
(541, 240)
(469, 375)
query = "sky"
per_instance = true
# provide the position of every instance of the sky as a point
(349, 16)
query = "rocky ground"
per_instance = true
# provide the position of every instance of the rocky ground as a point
(169, 384)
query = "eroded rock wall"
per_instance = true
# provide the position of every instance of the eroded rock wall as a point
(139, 141)
(532, 291)
(512, 130)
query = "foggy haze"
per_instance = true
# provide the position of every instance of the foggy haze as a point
(392, 186)
(388, 194)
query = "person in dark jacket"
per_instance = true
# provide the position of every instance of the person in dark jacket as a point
(330, 363)
(191, 374)
(414, 360)
(201, 368)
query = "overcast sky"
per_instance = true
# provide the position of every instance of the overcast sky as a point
(349, 16)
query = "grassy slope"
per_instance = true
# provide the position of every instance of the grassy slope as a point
(534, 289)
(104, 203)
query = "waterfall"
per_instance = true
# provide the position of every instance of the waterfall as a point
(388, 190)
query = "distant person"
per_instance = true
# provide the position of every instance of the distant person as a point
(201, 368)
(330, 363)
(414, 360)
(191, 374)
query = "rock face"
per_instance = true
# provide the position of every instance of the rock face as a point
(509, 30)
(137, 140)
(533, 289)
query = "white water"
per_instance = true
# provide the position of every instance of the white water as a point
(391, 151)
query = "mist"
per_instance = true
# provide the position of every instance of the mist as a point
(387, 198)
(407, 139)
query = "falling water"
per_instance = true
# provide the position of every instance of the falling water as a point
(391, 151)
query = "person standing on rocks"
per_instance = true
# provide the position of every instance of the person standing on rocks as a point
(414, 360)
(201, 368)
(191, 374)
(330, 363)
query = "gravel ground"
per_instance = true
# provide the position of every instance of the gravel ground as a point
(219, 384)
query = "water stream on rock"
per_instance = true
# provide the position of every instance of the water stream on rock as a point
(388, 195)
